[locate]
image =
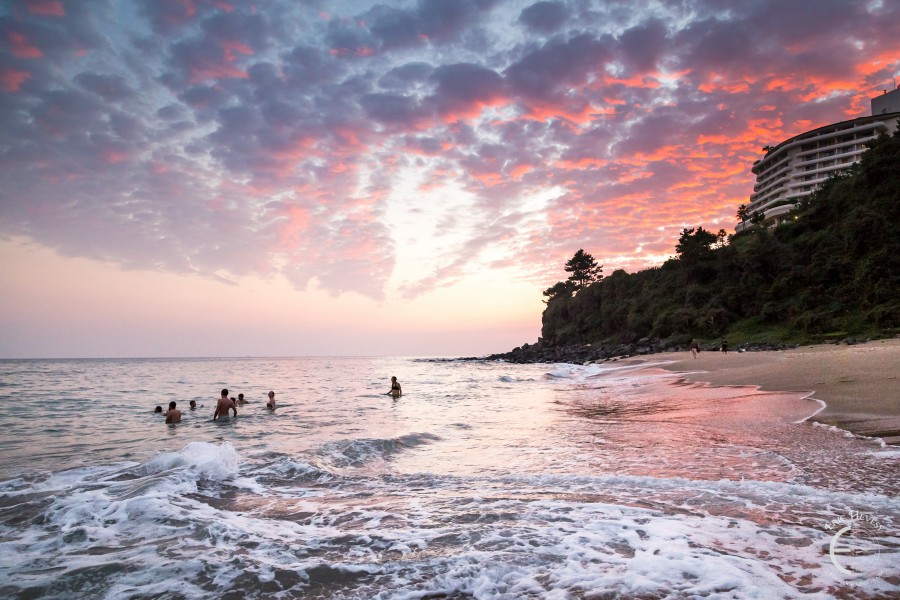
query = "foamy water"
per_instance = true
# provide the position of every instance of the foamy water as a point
(482, 481)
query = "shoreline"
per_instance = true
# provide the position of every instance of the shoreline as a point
(859, 384)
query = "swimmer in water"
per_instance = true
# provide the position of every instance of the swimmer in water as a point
(396, 391)
(224, 405)
(173, 415)
(271, 403)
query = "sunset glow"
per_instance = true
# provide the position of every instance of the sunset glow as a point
(282, 178)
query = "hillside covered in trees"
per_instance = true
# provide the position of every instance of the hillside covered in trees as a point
(832, 270)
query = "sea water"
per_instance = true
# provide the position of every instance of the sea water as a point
(484, 480)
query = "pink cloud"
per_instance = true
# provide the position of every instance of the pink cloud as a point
(20, 46)
(46, 8)
(12, 80)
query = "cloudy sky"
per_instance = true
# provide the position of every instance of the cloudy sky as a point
(261, 177)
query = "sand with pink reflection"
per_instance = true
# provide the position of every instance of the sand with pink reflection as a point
(859, 384)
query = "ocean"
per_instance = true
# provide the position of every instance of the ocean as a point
(484, 480)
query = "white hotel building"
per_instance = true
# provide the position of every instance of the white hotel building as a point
(797, 166)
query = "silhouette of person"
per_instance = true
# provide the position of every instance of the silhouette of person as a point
(396, 391)
(173, 415)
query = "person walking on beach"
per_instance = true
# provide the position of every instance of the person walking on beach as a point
(173, 415)
(695, 348)
(224, 405)
(724, 346)
(271, 403)
(396, 391)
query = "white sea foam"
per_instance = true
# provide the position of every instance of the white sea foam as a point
(209, 461)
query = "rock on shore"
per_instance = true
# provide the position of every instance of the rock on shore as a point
(542, 352)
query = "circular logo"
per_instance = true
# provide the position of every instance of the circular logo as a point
(856, 548)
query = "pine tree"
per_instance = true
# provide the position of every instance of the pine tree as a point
(584, 270)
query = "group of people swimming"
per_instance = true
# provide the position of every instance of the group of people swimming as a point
(227, 403)
(224, 404)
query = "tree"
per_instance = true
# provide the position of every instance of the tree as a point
(584, 270)
(721, 238)
(561, 289)
(695, 243)
(743, 213)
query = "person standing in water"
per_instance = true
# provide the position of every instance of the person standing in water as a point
(396, 391)
(224, 405)
(173, 415)
(271, 403)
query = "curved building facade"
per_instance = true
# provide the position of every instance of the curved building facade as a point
(799, 165)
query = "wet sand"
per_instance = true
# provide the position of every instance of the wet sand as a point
(859, 384)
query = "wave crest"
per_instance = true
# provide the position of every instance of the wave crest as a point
(216, 462)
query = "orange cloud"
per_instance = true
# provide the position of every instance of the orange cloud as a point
(719, 83)
(649, 81)
(519, 170)
(547, 111)
(472, 111)
(878, 62)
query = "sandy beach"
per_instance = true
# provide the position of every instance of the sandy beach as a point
(859, 384)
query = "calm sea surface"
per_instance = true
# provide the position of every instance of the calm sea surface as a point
(485, 480)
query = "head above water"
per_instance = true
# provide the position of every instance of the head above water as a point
(240, 396)
(271, 394)
(172, 405)
(393, 379)
(193, 404)
(224, 392)
(157, 409)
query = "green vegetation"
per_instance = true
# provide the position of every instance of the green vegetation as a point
(584, 271)
(831, 270)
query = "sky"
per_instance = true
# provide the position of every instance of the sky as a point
(290, 178)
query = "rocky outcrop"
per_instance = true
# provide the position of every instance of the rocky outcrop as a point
(542, 352)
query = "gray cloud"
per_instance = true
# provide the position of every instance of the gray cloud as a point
(268, 139)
